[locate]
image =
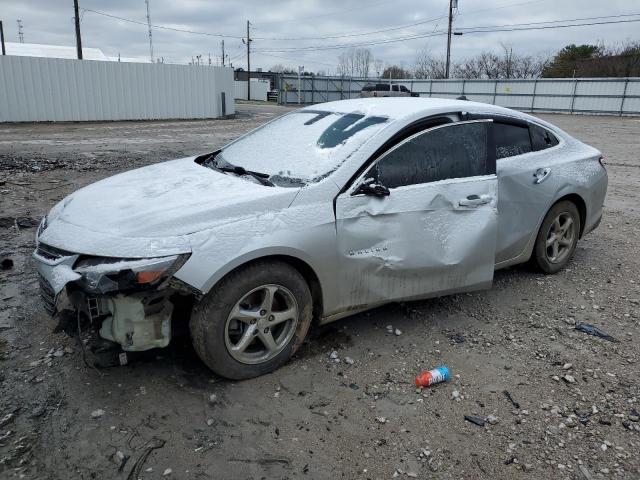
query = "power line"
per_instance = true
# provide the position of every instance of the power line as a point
(161, 26)
(556, 21)
(357, 34)
(486, 29)
(295, 61)
(359, 9)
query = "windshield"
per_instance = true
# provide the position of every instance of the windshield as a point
(303, 146)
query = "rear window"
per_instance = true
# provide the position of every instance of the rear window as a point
(511, 140)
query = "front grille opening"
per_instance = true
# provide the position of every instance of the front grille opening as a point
(51, 253)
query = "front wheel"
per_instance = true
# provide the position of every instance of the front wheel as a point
(253, 320)
(557, 237)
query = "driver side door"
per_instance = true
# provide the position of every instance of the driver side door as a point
(422, 220)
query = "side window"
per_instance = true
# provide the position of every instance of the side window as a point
(452, 151)
(382, 87)
(403, 88)
(511, 140)
(395, 88)
(541, 138)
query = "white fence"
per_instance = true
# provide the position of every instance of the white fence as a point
(618, 96)
(259, 89)
(34, 89)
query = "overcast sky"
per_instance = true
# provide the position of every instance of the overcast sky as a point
(51, 22)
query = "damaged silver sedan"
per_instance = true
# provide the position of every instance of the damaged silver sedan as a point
(326, 211)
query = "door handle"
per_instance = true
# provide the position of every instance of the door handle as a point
(475, 200)
(541, 175)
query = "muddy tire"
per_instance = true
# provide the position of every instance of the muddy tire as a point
(557, 238)
(253, 320)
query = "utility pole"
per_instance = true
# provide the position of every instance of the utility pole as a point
(248, 42)
(150, 36)
(4, 52)
(223, 52)
(20, 33)
(446, 74)
(78, 37)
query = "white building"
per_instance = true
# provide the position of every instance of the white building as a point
(61, 51)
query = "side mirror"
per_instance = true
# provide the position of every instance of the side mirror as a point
(373, 189)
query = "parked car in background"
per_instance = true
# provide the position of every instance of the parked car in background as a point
(329, 210)
(386, 90)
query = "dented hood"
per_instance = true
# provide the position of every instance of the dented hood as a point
(155, 207)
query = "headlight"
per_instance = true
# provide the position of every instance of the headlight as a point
(103, 274)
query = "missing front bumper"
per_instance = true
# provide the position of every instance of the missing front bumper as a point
(137, 321)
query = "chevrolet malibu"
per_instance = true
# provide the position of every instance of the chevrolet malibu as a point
(324, 212)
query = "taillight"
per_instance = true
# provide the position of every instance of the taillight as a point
(601, 160)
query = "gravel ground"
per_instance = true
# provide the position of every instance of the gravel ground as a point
(574, 405)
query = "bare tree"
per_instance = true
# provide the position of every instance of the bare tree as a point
(277, 68)
(363, 59)
(355, 62)
(508, 64)
(394, 71)
(427, 66)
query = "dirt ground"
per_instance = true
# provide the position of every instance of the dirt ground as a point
(576, 398)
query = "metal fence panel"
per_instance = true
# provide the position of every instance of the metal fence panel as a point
(555, 87)
(583, 95)
(479, 86)
(515, 87)
(34, 89)
(552, 104)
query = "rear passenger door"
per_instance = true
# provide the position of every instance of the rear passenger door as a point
(422, 220)
(526, 183)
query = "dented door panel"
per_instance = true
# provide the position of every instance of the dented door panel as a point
(418, 242)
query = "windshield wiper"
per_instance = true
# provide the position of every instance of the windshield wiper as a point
(225, 166)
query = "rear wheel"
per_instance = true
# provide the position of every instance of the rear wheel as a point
(253, 320)
(557, 237)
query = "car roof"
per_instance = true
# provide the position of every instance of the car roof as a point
(397, 108)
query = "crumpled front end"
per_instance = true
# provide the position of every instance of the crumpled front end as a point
(130, 301)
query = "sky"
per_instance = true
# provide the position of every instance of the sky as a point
(281, 30)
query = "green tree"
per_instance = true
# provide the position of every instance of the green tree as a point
(565, 61)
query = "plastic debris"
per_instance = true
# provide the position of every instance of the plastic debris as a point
(595, 331)
(437, 375)
(475, 420)
(510, 398)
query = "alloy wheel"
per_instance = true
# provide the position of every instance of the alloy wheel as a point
(560, 238)
(261, 324)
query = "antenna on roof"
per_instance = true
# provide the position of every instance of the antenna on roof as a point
(150, 36)
(20, 32)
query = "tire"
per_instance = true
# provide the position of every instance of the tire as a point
(235, 310)
(543, 253)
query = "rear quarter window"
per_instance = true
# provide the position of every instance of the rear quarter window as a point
(541, 138)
